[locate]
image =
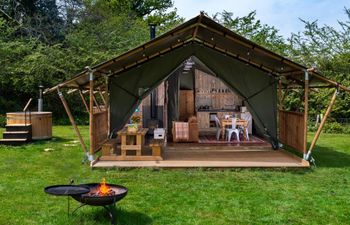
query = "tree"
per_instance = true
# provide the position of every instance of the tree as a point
(39, 19)
(252, 28)
(39, 50)
(327, 49)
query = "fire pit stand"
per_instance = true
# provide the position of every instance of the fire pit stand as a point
(111, 209)
(66, 190)
(87, 194)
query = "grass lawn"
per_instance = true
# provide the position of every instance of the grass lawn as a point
(193, 196)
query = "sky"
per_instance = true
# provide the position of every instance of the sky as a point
(282, 14)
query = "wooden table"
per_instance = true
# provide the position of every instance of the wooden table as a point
(128, 142)
(228, 122)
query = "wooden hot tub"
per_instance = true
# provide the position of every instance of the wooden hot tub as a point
(41, 123)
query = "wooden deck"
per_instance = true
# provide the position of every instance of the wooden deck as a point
(214, 157)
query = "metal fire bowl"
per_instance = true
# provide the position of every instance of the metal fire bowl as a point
(120, 191)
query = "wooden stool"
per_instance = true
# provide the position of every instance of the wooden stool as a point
(109, 147)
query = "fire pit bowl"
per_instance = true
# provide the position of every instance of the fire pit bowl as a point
(117, 192)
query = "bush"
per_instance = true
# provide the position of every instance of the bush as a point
(64, 120)
(333, 128)
(2, 120)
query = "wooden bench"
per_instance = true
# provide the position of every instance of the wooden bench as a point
(156, 146)
(109, 147)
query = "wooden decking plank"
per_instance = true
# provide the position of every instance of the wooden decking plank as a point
(215, 159)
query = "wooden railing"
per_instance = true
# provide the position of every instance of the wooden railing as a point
(25, 109)
(100, 129)
(291, 129)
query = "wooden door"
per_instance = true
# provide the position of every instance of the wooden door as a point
(203, 120)
(186, 104)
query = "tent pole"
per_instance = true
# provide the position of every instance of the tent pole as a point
(165, 111)
(106, 93)
(96, 103)
(103, 98)
(313, 143)
(76, 129)
(306, 109)
(280, 94)
(92, 144)
(84, 101)
(284, 97)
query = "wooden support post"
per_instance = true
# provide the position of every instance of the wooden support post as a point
(84, 101)
(92, 135)
(313, 143)
(70, 116)
(306, 109)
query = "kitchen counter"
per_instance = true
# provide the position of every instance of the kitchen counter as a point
(217, 110)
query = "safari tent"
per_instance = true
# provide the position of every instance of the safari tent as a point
(150, 79)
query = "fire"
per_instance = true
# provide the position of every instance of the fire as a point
(104, 189)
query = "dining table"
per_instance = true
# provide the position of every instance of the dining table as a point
(228, 122)
(132, 141)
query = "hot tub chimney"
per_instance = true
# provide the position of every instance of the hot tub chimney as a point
(40, 99)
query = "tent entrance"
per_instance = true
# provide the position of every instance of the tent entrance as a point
(256, 88)
(193, 92)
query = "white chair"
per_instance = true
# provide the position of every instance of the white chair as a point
(218, 127)
(232, 130)
(247, 117)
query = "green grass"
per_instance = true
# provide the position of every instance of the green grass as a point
(193, 196)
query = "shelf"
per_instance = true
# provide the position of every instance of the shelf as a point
(227, 93)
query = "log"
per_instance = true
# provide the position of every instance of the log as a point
(313, 143)
(306, 109)
(71, 119)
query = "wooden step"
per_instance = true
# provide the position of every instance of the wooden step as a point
(17, 135)
(18, 141)
(19, 127)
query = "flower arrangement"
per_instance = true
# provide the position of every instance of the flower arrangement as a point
(135, 119)
(132, 128)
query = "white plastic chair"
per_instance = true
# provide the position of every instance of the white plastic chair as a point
(218, 127)
(232, 130)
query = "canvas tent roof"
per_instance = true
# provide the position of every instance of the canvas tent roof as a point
(206, 32)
